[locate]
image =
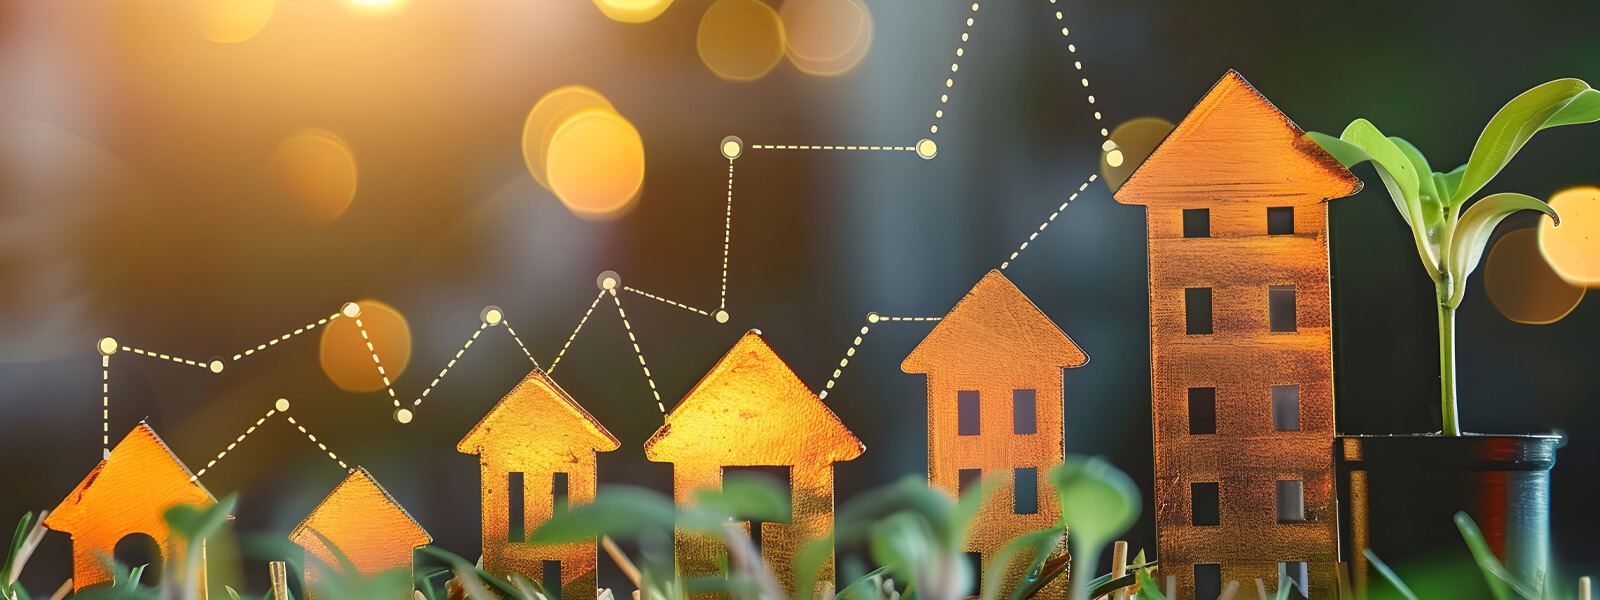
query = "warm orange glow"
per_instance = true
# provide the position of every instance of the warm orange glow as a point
(233, 21)
(346, 358)
(596, 164)
(364, 522)
(1130, 143)
(1522, 285)
(1573, 249)
(376, 7)
(740, 40)
(549, 114)
(318, 170)
(826, 37)
(632, 11)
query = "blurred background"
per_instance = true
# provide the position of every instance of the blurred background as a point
(196, 177)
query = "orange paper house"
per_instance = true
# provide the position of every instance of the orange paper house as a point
(1241, 344)
(752, 410)
(536, 449)
(364, 522)
(995, 412)
(127, 493)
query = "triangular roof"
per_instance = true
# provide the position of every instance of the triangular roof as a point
(360, 517)
(537, 413)
(1236, 147)
(751, 409)
(994, 328)
(131, 489)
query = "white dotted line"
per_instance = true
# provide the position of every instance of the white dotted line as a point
(320, 446)
(1078, 66)
(452, 363)
(387, 385)
(851, 351)
(891, 148)
(909, 318)
(955, 66)
(637, 352)
(1047, 222)
(274, 341)
(236, 442)
(181, 361)
(524, 347)
(105, 405)
(677, 304)
(727, 238)
(575, 331)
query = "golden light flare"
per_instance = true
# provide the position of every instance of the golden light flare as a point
(376, 7)
(596, 164)
(1522, 285)
(318, 170)
(1130, 143)
(346, 357)
(826, 37)
(233, 21)
(548, 115)
(632, 11)
(740, 40)
(1573, 250)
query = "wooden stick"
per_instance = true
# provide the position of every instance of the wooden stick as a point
(1172, 587)
(280, 580)
(61, 592)
(622, 561)
(1261, 588)
(1583, 588)
(417, 595)
(1228, 591)
(1119, 566)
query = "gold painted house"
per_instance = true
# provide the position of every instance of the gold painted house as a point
(365, 523)
(1241, 344)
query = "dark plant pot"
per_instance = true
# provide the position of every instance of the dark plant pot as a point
(1399, 495)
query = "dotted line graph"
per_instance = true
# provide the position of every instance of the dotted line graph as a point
(872, 318)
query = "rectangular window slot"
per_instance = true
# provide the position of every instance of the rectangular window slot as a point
(969, 479)
(1280, 308)
(558, 492)
(775, 475)
(551, 579)
(1196, 222)
(1207, 581)
(1297, 575)
(1280, 220)
(1026, 484)
(967, 406)
(1291, 501)
(1197, 311)
(1205, 503)
(1286, 408)
(1202, 411)
(975, 561)
(516, 519)
(1024, 412)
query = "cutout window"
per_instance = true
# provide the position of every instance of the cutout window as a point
(1298, 576)
(516, 518)
(1280, 220)
(967, 406)
(1024, 412)
(1286, 408)
(1291, 501)
(775, 475)
(1280, 308)
(975, 562)
(1196, 222)
(558, 492)
(969, 479)
(1202, 411)
(1197, 311)
(1026, 485)
(1207, 581)
(1205, 503)
(551, 579)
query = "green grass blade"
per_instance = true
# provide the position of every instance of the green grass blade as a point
(1387, 573)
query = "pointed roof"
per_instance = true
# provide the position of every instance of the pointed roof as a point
(1235, 146)
(751, 409)
(993, 328)
(540, 414)
(130, 490)
(363, 521)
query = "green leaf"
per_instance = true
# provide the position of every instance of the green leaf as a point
(1448, 183)
(1410, 207)
(1283, 574)
(24, 527)
(866, 586)
(806, 563)
(1098, 501)
(1473, 231)
(1387, 573)
(1428, 199)
(1043, 542)
(1483, 555)
(231, 592)
(1387, 154)
(617, 511)
(743, 497)
(195, 522)
(1147, 587)
(1350, 155)
(1560, 102)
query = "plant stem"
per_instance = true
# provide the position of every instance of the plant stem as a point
(1447, 370)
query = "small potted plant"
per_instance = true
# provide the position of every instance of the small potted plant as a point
(1400, 492)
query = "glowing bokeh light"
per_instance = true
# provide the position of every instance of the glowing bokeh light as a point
(826, 37)
(632, 11)
(376, 7)
(1522, 285)
(346, 358)
(549, 114)
(318, 170)
(1130, 143)
(233, 21)
(1573, 249)
(740, 40)
(595, 164)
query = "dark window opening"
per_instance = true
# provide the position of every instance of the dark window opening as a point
(1202, 411)
(1205, 503)
(551, 579)
(1024, 412)
(1296, 575)
(1207, 581)
(1291, 501)
(558, 492)
(969, 480)
(1280, 220)
(135, 550)
(778, 476)
(1286, 408)
(1280, 308)
(516, 525)
(1196, 222)
(1197, 311)
(967, 406)
(1025, 481)
(975, 561)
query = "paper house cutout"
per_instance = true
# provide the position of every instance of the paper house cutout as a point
(535, 436)
(1241, 343)
(364, 522)
(752, 410)
(995, 411)
(127, 493)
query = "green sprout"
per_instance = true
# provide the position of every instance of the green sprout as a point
(1451, 243)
